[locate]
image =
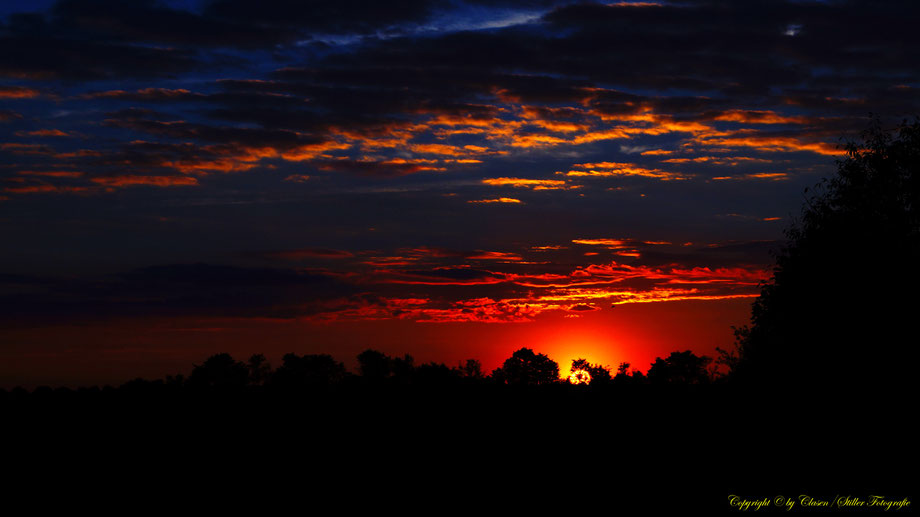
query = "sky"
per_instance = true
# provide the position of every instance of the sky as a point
(444, 178)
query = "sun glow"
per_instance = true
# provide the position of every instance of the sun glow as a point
(580, 377)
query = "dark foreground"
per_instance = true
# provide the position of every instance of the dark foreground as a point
(668, 450)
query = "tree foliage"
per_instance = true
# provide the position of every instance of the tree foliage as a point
(599, 374)
(842, 296)
(680, 368)
(219, 372)
(525, 367)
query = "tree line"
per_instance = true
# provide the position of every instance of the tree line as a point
(318, 372)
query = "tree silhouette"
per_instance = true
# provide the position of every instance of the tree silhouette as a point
(599, 374)
(680, 368)
(841, 298)
(308, 371)
(524, 367)
(471, 369)
(220, 372)
(403, 368)
(435, 374)
(374, 365)
(259, 369)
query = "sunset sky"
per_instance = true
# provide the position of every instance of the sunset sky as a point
(447, 179)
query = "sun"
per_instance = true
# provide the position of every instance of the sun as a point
(580, 377)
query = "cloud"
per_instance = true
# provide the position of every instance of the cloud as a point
(18, 92)
(535, 184)
(496, 200)
(202, 290)
(306, 253)
(613, 169)
(8, 116)
(134, 179)
(52, 174)
(772, 176)
(43, 133)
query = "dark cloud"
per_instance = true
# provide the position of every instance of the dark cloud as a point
(9, 115)
(52, 57)
(252, 137)
(323, 16)
(454, 274)
(150, 21)
(195, 290)
(302, 254)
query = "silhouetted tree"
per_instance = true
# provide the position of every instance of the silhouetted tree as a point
(403, 368)
(471, 369)
(524, 367)
(625, 377)
(842, 295)
(259, 369)
(680, 368)
(308, 371)
(599, 374)
(435, 374)
(374, 365)
(220, 371)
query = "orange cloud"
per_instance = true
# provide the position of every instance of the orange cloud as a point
(774, 176)
(18, 92)
(719, 160)
(52, 174)
(611, 169)
(526, 183)
(496, 255)
(43, 132)
(157, 181)
(496, 200)
(759, 117)
(26, 149)
(600, 242)
(450, 150)
(302, 152)
(768, 143)
(38, 189)
(535, 140)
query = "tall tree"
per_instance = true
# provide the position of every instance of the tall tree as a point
(840, 307)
